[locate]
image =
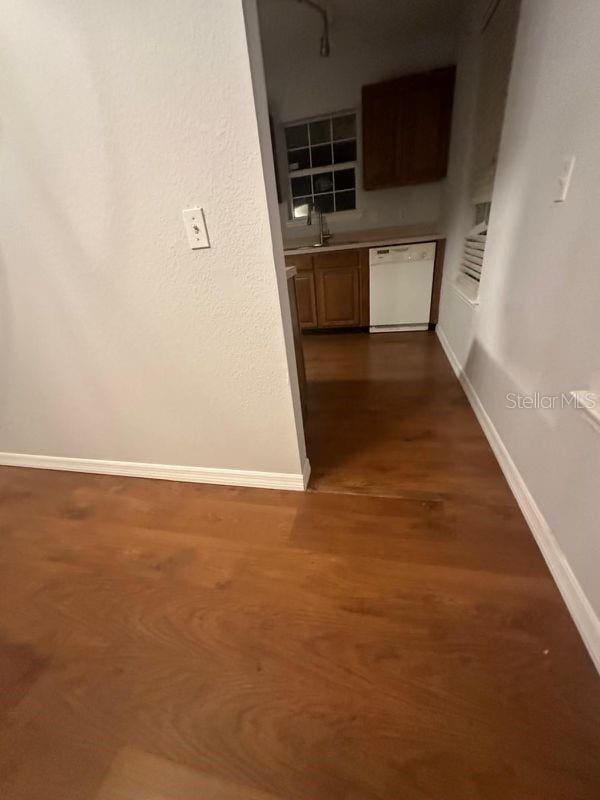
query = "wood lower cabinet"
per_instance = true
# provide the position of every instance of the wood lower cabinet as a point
(332, 288)
(306, 301)
(338, 296)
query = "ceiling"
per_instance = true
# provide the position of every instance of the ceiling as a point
(371, 40)
(406, 19)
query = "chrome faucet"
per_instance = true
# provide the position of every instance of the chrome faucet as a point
(324, 232)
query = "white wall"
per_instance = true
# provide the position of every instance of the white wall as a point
(369, 42)
(117, 341)
(537, 326)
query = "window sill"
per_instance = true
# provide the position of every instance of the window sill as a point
(589, 405)
(336, 216)
(467, 294)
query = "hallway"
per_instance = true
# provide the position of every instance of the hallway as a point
(388, 418)
(393, 633)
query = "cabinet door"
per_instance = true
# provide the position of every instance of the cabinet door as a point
(426, 111)
(380, 111)
(338, 296)
(306, 303)
(406, 129)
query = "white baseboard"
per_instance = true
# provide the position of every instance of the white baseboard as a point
(575, 598)
(171, 472)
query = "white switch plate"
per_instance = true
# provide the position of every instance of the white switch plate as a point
(564, 180)
(195, 227)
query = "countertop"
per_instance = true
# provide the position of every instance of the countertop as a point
(349, 240)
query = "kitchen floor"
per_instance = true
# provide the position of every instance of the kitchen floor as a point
(391, 634)
(388, 417)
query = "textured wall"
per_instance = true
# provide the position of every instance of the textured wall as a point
(537, 326)
(118, 341)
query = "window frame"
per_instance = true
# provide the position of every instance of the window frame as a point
(311, 171)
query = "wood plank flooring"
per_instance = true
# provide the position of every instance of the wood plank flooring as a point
(388, 417)
(394, 635)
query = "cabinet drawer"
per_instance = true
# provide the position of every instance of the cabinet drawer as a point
(337, 258)
(300, 261)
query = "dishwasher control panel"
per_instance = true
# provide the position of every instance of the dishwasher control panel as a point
(402, 253)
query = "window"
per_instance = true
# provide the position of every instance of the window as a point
(322, 164)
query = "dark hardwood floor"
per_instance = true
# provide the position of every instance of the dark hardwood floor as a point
(394, 635)
(388, 417)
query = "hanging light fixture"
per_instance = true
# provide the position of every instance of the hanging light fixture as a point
(324, 49)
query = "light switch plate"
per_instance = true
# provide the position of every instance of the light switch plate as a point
(564, 180)
(195, 227)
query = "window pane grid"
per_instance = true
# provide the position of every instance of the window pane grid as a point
(302, 185)
(300, 173)
(341, 180)
(335, 141)
(322, 161)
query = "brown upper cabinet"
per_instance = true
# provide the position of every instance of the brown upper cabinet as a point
(406, 129)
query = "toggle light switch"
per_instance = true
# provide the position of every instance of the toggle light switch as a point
(195, 227)
(564, 180)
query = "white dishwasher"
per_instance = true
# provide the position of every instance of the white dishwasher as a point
(401, 278)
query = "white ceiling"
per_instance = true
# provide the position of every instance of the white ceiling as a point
(405, 19)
